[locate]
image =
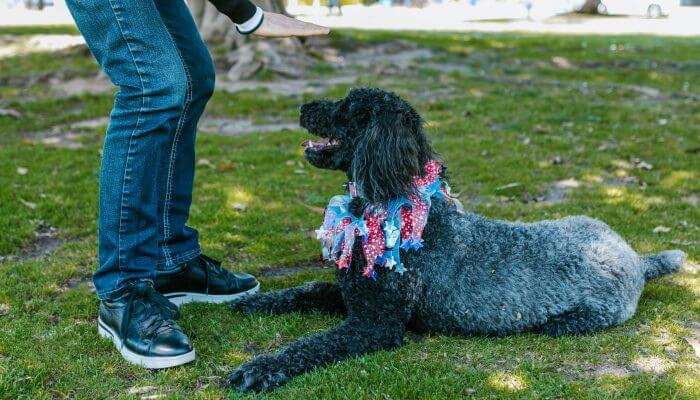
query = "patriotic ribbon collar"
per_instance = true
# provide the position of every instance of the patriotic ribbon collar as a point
(385, 228)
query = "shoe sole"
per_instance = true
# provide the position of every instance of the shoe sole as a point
(143, 361)
(180, 298)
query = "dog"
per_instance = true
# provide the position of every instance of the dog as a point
(472, 276)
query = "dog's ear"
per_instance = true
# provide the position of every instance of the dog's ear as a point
(390, 154)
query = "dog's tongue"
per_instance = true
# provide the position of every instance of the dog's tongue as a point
(319, 143)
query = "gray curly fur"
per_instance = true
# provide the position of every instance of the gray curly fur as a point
(474, 275)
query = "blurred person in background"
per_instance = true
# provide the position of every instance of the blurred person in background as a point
(335, 3)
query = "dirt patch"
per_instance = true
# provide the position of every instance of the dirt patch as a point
(282, 270)
(393, 57)
(13, 45)
(78, 281)
(75, 135)
(252, 348)
(560, 190)
(98, 84)
(71, 136)
(288, 87)
(399, 54)
(609, 371)
(46, 243)
(694, 338)
(238, 127)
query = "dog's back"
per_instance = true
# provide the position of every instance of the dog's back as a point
(483, 276)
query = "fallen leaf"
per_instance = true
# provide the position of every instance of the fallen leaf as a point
(28, 204)
(508, 186)
(561, 62)
(225, 166)
(693, 199)
(644, 165)
(622, 164)
(568, 183)
(476, 93)
(22, 170)
(205, 163)
(662, 229)
(141, 389)
(8, 112)
(542, 129)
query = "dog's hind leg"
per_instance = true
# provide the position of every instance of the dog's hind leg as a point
(353, 337)
(583, 319)
(314, 296)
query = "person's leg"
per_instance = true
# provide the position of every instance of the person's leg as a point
(132, 44)
(183, 274)
(179, 242)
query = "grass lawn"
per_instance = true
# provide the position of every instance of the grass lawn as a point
(531, 127)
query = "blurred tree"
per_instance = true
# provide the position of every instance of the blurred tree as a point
(590, 7)
(247, 56)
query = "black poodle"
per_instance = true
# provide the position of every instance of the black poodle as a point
(473, 275)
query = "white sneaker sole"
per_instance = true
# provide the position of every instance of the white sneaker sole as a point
(143, 361)
(180, 298)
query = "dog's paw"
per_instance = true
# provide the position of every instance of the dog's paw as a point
(257, 376)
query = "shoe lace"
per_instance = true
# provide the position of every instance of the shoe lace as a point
(155, 312)
(213, 267)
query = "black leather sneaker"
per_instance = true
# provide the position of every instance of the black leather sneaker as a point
(204, 280)
(141, 323)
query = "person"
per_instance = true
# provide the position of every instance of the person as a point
(335, 3)
(149, 259)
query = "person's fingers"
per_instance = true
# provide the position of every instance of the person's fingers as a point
(278, 25)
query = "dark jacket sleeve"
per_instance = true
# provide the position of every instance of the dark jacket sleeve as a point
(238, 10)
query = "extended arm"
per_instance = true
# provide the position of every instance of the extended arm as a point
(250, 18)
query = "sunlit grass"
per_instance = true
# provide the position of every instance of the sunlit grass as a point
(256, 201)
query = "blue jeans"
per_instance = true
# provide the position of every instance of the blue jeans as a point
(152, 51)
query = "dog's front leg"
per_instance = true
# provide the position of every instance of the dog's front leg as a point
(313, 296)
(351, 338)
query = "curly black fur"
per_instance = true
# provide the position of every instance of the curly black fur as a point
(474, 275)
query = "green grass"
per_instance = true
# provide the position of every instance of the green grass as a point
(254, 206)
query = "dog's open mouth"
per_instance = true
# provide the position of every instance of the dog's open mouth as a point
(321, 145)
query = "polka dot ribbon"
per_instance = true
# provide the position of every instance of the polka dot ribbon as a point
(385, 228)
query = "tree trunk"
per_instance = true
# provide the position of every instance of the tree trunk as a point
(590, 7)
(248, 56)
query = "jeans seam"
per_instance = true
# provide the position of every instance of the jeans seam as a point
(184, 257)
(173, 154)
(131, 137)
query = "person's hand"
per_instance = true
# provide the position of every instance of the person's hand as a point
(277, 26)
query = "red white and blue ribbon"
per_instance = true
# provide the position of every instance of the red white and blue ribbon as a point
(385, 228)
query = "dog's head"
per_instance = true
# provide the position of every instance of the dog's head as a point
(374, 136)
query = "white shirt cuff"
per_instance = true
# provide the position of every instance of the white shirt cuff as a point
(252, 24)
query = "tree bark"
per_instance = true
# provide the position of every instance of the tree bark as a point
(248, 56)
(590, 7)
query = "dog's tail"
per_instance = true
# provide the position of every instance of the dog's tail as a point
(660, 264)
